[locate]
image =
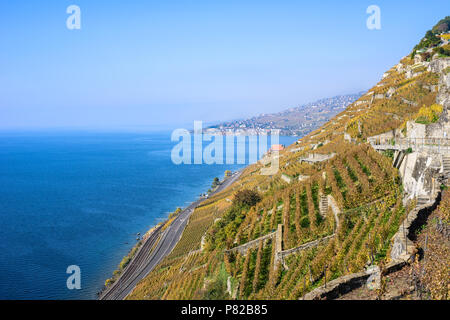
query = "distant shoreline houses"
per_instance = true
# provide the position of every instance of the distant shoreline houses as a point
(298, 121)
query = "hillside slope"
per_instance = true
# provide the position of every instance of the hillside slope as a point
(297, 121)
(334, 208)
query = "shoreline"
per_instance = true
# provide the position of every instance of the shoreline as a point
(101, 291)
(156, 235)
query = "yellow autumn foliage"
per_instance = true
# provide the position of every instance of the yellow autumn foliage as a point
(427, 115)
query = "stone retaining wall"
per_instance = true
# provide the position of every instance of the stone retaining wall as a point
(242, 249)
(315, 243)
(402, 253)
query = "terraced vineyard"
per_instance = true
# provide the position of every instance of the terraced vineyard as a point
(363, 183)
(335, 161)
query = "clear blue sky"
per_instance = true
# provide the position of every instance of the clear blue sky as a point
(168, 63)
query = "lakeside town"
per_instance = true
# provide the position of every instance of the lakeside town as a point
(297, 121)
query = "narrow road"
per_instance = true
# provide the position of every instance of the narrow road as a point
(145, 259)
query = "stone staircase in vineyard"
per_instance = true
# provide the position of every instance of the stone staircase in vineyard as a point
(323, 205)
(446, 165)
(422, 200)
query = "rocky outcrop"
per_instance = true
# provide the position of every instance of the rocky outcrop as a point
(419, 171)
(439, 65)
(443, 96)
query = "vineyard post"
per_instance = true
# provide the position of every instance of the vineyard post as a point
(325, 274)
(304, 287)
(415, 279)
(371, 250)
(406, 240)
(423, 265)
(367, 247)
(310, 275)
(425, 253)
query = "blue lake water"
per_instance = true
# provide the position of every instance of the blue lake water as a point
(80, 199)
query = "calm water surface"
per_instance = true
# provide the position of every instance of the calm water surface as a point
(80, 199)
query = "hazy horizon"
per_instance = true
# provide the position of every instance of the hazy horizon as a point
(146, 64)
(144, 128)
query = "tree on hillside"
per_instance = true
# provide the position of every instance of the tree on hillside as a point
(215, 183)
(442, 26)
(246, 197)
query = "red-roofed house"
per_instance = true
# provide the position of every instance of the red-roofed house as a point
(277, 147)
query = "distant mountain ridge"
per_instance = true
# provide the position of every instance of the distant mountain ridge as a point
(297, 121)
